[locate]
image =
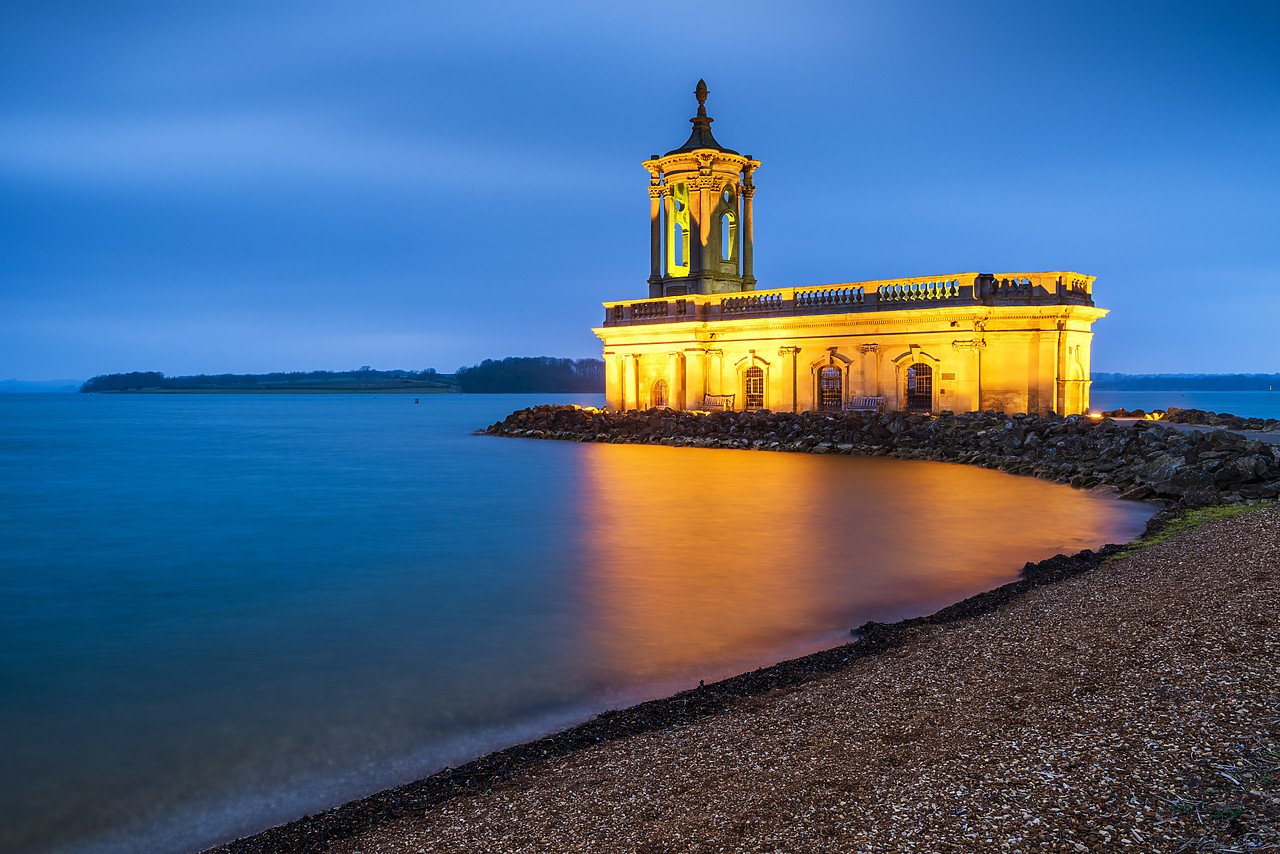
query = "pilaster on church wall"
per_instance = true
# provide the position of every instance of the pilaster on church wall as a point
(612, 382)
(695, 365)
(964, 356)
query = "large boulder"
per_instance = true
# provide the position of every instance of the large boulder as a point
(1201, 496)
(1242, 469)
(1160, 468)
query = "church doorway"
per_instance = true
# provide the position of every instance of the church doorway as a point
(753, 388)
(830, 389)
(919, 387)
(658, 400)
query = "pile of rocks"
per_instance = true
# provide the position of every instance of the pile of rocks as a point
(1222, 419)
(1225, 420)
(1140, 460)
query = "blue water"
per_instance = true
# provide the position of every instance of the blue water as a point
(1248, 404)
(219, 612)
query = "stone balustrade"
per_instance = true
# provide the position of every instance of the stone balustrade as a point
(888, 295)
(650, 308)
(919, 291)
(815, 297)
(753, 302)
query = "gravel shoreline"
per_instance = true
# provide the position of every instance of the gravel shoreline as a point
(1091, 714)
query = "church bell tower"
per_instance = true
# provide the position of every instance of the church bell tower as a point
(700, 215)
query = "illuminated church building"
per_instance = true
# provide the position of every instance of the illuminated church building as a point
(706, 338)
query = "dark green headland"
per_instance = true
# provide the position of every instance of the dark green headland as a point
(513, 375)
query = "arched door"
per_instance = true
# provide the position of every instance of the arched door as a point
(919, 387)
(753, 388)
(659, 397)
(831, 389)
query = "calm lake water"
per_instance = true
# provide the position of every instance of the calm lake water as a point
(221, 611)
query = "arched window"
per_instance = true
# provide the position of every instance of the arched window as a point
(728, 235)
(753, 388)
(830, 388)
(659, 397)
(678, 230)
(920, 387)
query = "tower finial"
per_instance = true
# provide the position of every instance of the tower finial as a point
(701, 136)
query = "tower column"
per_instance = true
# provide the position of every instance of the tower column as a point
(748, 237)
(703, 210)
(655, 241)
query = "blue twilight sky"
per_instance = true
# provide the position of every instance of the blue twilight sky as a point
(250, 186)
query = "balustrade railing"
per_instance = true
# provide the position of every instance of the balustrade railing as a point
(752, 302)
(818, 297)
(1078, 287)
(657, 308)
(918, 291)
(1011, 288)
(966, 289)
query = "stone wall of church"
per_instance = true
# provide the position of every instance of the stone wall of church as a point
(1020, 359)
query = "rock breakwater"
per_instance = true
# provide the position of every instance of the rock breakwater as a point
(1140, 461)
(1225, 420)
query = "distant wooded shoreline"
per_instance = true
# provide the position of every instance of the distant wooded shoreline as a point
(513, 375)
(1185, 382)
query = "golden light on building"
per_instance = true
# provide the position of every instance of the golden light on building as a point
(706, 338)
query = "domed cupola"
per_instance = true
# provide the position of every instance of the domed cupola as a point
(700, 214)
(701, 137)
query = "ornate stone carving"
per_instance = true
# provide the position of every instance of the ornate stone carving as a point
(868, 348)
(971, 344)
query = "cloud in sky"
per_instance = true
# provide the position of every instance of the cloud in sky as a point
(202, 151)
(246, 186)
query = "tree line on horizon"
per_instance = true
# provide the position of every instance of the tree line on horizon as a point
(515, 374)
(540, 374)
(154, 380)
(1186, 382)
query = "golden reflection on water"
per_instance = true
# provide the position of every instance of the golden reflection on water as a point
(704, 562)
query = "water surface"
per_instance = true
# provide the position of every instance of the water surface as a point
(222, 611)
